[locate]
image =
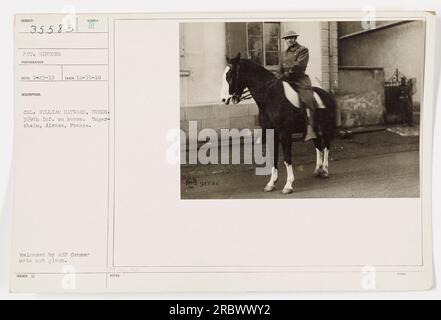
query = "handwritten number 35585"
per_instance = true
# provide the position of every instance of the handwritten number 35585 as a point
(50, 29)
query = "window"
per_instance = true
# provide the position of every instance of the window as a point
(263, 43)
(258, 41)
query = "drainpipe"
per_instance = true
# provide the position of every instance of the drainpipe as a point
(331, 79)
(331, 75)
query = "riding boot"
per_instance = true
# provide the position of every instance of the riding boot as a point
(310, 133)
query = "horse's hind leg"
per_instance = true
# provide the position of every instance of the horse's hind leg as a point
(287, 155)
(271, 185)
(319, 158)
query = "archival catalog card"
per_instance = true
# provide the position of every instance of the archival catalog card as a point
(223, 152)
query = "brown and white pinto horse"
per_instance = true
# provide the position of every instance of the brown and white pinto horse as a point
(279, 109)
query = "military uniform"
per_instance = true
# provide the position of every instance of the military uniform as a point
(294, 62)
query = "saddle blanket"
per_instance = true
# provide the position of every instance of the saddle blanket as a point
(293, 96)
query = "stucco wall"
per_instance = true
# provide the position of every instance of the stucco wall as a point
(360, 97)
(349, 27)
(203, 55)
(400, 46)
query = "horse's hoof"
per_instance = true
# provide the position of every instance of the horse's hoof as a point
(287, 190)
(324, 175)
(269, 188)
(318, 172)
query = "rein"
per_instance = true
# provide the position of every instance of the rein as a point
(247, 91)
(246, 96)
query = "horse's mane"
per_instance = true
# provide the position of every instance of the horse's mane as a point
(257, 69)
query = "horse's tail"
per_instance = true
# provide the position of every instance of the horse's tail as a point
(327, 117)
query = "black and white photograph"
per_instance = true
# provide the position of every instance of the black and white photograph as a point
(152, 151)
(301, 109)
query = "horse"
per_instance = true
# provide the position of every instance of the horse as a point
(279, 109)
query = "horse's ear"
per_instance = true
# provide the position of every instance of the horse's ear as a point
(234, 60)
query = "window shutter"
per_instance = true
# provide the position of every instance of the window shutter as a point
(237, 39)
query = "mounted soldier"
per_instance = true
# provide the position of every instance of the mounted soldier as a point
(294, 62)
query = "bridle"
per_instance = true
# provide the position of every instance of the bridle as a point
(246, 94)
(236, 89)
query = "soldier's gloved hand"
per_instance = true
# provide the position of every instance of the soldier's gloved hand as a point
(282, 76)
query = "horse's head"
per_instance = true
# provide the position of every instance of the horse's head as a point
(232, 82)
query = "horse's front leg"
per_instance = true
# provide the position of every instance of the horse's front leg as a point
(287, 155)
(325, 170)
(271, 185)
(322, 163)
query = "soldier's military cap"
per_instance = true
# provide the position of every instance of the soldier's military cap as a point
(289, 34)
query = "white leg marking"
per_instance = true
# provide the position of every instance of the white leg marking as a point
(325, 163)
(289, 179)
(271, 185)
(318, 163)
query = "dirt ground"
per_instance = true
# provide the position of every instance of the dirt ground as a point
(375, 164)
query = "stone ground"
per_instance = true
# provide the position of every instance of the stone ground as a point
(375, 164)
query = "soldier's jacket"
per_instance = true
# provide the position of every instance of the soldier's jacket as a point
(294, 62)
